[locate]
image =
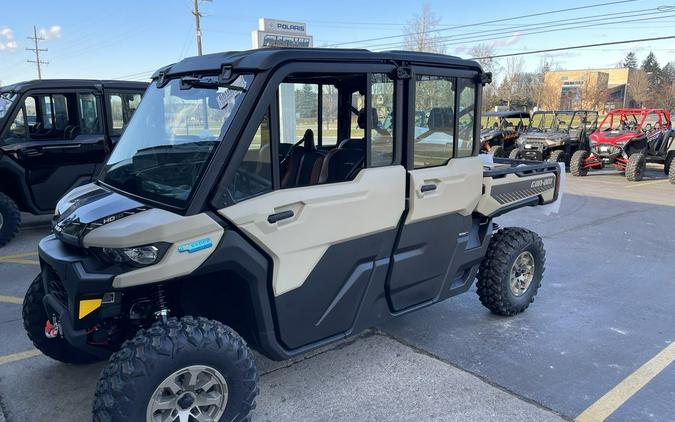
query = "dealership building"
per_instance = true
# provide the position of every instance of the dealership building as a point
(599, 89)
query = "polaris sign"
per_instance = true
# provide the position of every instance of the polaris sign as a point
(278, 33)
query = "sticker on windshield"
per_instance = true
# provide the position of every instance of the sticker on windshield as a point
(228, 96)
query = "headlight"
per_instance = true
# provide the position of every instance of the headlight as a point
(137, 256)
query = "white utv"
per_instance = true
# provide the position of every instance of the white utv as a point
(255, 199)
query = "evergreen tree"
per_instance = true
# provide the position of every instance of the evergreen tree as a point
(630, 61)
(651, 66)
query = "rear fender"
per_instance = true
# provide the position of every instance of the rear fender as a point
(14, 185)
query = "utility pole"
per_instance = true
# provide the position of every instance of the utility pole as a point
(198, 27)
(37, 51)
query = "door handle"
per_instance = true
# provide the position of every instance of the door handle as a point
(273, 218)
(32, 152)
(427, 188)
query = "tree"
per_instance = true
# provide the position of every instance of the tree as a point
(418, 35)
(482, 54)
(630, 61)
(651, 66)
(638, 89)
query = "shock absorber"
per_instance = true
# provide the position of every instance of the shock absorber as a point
(161, 304)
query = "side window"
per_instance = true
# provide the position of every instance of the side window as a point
(18, 129)
(299, 111)
(466, 117)
(434, 120)
(254, 175)
(122, 107)
(61, 116)
(47, 112)
(31, 112)
(358, 102)
(90, 122)
(329, 115)
(382, 132)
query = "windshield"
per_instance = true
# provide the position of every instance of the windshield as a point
(562, 121)
(541, 121)
(6, 100)
(621, 121)
(171, 137)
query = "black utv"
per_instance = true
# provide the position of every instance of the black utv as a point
(54, 136)
(500, 130)
(556, 135)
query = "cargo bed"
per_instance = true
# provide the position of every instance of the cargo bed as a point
(509, 184)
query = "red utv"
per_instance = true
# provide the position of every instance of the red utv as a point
(628, 139)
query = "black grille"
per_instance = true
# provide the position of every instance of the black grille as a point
(55, 287)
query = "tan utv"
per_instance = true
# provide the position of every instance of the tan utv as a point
(258, 199)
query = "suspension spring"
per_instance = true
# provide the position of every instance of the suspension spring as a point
(161, 303)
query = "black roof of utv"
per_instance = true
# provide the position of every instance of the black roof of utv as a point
(267, 58)
(72, 83)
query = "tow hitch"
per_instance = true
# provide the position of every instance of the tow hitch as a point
(53, 330)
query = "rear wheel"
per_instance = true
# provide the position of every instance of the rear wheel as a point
(515, 154)
(635, 169)
(34, 319)
(557, 156)
(188, 369)
(511, 272)
(10, 219)
(578, 162)
(498, 151)
(671, 170)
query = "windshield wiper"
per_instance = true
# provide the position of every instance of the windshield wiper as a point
(188, 82)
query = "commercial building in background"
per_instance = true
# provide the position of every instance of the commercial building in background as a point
(279, 33)
(596, 89)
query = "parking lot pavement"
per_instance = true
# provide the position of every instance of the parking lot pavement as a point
(596, 330)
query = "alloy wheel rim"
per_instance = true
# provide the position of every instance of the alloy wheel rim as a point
(522, 273)
(197, 393)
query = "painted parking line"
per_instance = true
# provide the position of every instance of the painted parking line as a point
(19, 356)
(20, 259)
(11, 299)
(637, 185)
(617, 396)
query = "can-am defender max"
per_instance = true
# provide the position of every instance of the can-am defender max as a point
(277, 221)
(556, 135)
(500, 129)
(628, 139)
(54, 136)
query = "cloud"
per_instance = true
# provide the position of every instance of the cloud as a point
(7, 42)
(50, 33)
(514, 38)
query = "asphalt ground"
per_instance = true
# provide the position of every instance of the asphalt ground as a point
(597, 343)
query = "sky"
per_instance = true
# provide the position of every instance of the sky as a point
(129, 39)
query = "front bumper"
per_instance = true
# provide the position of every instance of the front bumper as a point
(70, 276)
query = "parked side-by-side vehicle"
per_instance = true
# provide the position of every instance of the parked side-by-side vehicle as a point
(556, 135)
(54, 136)
(289, 219)
(500, 130)
(628, 139)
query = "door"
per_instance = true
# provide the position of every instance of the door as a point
(445, 185)
(327, 242)
(58, 139)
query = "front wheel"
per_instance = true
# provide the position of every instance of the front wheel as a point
(498, 151)
(34, 320)
(188, 369)
(10, 219)
(578, 163)
(635, 169)
(511, 272)
(671, 170)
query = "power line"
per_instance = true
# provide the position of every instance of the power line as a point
(37, 51)
(510, 34)
(575, 47)
(486, 22)
(532, 26)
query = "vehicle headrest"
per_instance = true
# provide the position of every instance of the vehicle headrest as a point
(308, 138)
(352, 144)
(441, 118)
(361, 120)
